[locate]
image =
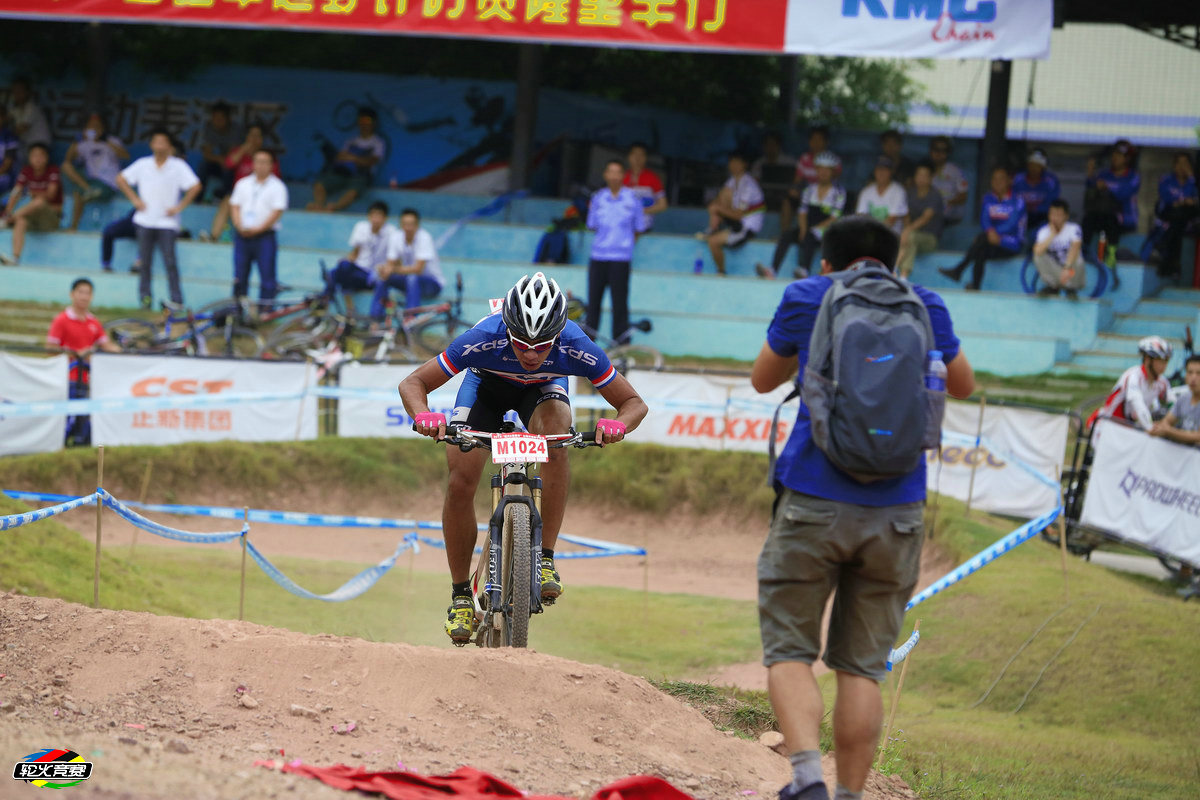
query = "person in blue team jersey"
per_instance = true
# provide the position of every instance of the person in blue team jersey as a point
(1038, 187)
(1176, 210)
(1110, 201)
(517, 359)
(1003, 221)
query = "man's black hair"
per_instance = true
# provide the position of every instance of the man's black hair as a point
(616, 161)
(221, 106)
(924, 163)
(367, 111)
(159, 130)
(738, 154)
(266, 150)
(22, 79)
(859, 236)
(1001, 168)
(640, 144)
(406, 211)
(942, 140)
(1060, 203)
(891, 133)
(776, 135)
(821, 129)
(1192, 359)
(80, 282)
(40, 146)
(379, 205)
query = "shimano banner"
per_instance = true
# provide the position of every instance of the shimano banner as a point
(1146, 490)
(31, 380)
(379, 412)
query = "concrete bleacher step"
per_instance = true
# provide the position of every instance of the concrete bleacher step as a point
(1179, 294)
(1145, 325)
(1166, 309)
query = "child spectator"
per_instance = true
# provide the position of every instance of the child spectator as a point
(821, 204)
(1110, 202)
(884, 199)
(1057, 253)
(352, 170)
(219, 137)
(369, 242)
(645, 183)
(10, 154)
(1003, 221)
(736, 214)
(949, 180)
(101, 155)
(891, 144)
(27, 119)
(1182, 423)
(1176, 209)
(924, 221)
(40, 179)
(1038, 187)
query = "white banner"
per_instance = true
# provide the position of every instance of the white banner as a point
(120, 376)
(992, 29)
(369, 417)
(1145, 489)
(30, 380)
(1034, 438)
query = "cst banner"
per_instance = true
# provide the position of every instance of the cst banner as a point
(892, 28)
(116, 376)
(31, 380)
(1035, 438)
(1146, 490)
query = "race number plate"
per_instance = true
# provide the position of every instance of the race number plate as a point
(519, 448)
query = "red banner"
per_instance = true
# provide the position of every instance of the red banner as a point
(756, 25)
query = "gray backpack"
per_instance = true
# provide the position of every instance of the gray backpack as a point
(864, 383)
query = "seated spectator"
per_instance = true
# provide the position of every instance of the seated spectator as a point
(645, 183)
(101, 156)
(891, 144)
(736, 214)
(240, 161)
(1038, 187)
(27, 119)
(10, 154)
(77, 332)
(369, 241)
(1182, 423)
(821, 204)
(924, 222)
(949, 180)
(353, 168)
(40, 179)
(1176, 209)
(219, 137)
(806, 170)
(1110, 202)
(412, 266)
(884, 199)
(774, 170)
(1003, 221)
(1140, 394)
(1058, 253)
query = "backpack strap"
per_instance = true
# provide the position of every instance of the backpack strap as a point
(792, 395)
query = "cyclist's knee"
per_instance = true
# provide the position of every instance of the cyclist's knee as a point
(551, 416)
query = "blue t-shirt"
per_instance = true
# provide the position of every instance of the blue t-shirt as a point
(802, 466)
(617, 221)
(1006, 216)
(485, 348)
(1037, 196)
(1171, 191)
(1124, 188)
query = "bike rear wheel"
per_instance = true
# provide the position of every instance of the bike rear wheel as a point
(232, 341)
(433, 335)
(134, 335)
(630, 356)
(517, 574)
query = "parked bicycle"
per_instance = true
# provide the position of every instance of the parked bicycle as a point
(622, 351)
(509, 562)
(193, 333)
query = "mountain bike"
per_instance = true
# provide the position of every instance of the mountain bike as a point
(510, 561)
(193, 333)
(623, 353)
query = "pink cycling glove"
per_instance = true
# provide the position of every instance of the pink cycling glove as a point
(431, 419)
(610, 427)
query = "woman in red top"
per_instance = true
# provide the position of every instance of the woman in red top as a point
(645, 184)
(43, 212)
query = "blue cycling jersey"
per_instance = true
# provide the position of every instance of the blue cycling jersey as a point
(485, 348)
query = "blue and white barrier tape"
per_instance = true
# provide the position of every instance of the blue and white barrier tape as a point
(971, 441)
(347, 591)
(164, 531)
(901, 652)
(64, 504)
(600, 549)
(115, 404)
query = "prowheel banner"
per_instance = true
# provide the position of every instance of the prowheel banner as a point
(31, 380)
(156, 378)
(1015, 446)
(1145, 489)
(891, 28)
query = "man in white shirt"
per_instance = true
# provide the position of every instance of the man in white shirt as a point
(885, 200)
(1056, 253)
(412, 266)
(26, 118)
(257, 203)
(101, 155)
(166, 186)
(351, 172)
(736, 214)
(369, 241)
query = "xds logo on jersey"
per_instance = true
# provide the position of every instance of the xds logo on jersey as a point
(579, 355)
(481, 347)
(52, 769)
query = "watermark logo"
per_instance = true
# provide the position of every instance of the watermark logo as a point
(53, 769)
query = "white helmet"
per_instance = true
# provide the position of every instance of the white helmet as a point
(535, 310)
(1155, 347)
(827, 159)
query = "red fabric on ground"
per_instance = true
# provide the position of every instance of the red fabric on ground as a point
(465, 783)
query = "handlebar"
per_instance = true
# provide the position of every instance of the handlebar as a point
(467, 439)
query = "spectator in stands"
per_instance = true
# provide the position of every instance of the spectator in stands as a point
(10, 154)
(77, 332)
(645, 183)
(1141, 394)
(1176, 210)
(884, 199)
(256, 204)
(240, 161)
(616, 215)
(827, 532)
(1182, 423)
(821, 204)
(891, 144)
(166, 186)
(1057, 253)
(352, 170)
(220, 135)
(736, 214)
(1110, 202)
(924, 222)
(949, 180)
(412, 266)
(806, 170)
(101, 155)
(1038, 187)
(1003, 221)
(40, 179)
(369, 240)
(123, 228)
(26, 118)
(774, 170)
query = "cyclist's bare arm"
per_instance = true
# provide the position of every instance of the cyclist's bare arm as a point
(631, 409)
(414, 393)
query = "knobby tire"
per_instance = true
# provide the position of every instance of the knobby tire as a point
(517, 574)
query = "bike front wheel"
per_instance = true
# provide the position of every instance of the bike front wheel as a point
(134, 335)
(433, 336)
(517, 575)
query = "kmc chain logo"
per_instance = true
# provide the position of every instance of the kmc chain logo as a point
(52, 769)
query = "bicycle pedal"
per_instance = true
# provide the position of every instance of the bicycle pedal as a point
(460, 644)
(547, 601)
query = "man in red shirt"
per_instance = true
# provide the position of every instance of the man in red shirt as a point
(77, 332)
(645, 184)
(43, 212)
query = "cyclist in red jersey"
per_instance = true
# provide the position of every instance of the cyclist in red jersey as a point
(1140, 394)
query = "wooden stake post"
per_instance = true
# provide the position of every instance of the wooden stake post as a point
(142, 501)
(887, 731)
(975, 463)
(1062, 537)
(99, 512)
(242, 590)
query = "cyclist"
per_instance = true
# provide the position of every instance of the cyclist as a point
(1140, 394)
(516, 358)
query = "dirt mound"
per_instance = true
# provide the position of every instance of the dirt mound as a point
(180, 708)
